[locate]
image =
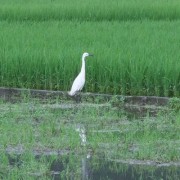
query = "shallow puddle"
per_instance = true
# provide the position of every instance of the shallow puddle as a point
(93, 167)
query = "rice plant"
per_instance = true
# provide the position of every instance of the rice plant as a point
(89, 10)
(132, 58)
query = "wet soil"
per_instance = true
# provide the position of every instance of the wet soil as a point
(134, 105)
(13, 94)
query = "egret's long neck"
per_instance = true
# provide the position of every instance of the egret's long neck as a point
(83, 65)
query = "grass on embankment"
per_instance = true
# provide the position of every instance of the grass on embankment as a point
(93, 10)
(132, 58)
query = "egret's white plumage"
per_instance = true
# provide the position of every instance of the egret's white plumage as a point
(79, 82)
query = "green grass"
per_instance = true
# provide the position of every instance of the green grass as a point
(110, 134)
(93, 10)
(130, 58)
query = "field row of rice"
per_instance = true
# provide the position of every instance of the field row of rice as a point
(137, 58)
(130, 57)
(95, 10)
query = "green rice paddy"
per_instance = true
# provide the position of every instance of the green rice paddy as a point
(94, 10)
(135, 45)
(136, 52)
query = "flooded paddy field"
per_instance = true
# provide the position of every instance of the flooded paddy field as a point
(101, 137)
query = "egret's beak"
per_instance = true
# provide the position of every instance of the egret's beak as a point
(90, 54)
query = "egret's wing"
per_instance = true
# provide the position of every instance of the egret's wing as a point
(77, 84)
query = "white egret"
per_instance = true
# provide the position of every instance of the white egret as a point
(79, 82)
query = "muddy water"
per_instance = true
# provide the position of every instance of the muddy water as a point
(92, 167)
